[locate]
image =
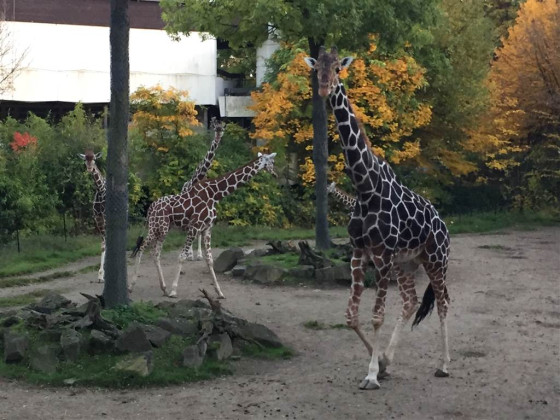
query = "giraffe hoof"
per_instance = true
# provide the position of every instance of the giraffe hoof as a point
(170, 295)
(441, 374)
(368, 384)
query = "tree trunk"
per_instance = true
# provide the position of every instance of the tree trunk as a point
(320, 159)
(115, 291)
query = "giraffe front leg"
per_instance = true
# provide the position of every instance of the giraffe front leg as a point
(101, 273)
(352, 319)
(210, 262)
(157, 259)
(199, 253)
(383, 266)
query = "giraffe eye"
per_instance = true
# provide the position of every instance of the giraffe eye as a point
(337, 69)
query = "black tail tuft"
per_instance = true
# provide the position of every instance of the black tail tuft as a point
(426, 306)
(139, 243)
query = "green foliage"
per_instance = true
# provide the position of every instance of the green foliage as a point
(269, 353)
(23, 299)
(143, 312)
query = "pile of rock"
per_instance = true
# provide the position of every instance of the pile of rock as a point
(55, 329)
(312, 266)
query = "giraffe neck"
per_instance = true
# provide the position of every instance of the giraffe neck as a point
(223, 186)
(203, 166)
(363, 166)
(98, 179)
(346, 199)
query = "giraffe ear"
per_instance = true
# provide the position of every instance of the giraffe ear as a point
(310, 62)
(272, 155)
(345, 62)
(259, 154)
(97, 155)
(81, 155)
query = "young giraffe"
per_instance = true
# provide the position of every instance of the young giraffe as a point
(98, 204)
(201, 171)
(194, 212)
(391, 225)
(345, 198)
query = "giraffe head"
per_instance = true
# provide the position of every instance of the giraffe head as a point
(266, 162)
(90, 158)
(331, 187)
(327, 66)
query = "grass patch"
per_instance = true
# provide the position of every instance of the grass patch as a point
(23, 299)
(269, 353)
(143, 312)
(287, 260)
(489, 222)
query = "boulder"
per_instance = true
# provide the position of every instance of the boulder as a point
(227, 259)
(251, 331)
(264, 274)
(45, 358)
(71, 343)
(303, 272)
(133, 339)
(99, 342)
(140, 364)
(219, 346)
(50, 303)
(157, 336)
(186, 308)
(238, 270)
(338, 274)
(179, 326)
(15, 347)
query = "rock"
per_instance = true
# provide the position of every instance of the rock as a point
(157, 336)
(338, 274)
(264, 274)
(227, 259)
(133, 339)
(179, 326)
(71, 343)
(220, 347)
(50, 303)
(192, 356)
(259, 252)
(140, 364)
(186, 308)
(10, 320)
(99, 342)
(303, 272)
(15, 347)
(251, 331)
(52, 335)
(34, 319)
(238, 270)
(45, 358)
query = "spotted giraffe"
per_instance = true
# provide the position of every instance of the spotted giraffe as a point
(346, 199)
(201, 171)
(98, 204)
(195, 213)
(391, 225)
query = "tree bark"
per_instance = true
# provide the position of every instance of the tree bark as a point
(116, 210)
(320, 158)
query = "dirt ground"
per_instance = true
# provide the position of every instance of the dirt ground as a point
(504, 334)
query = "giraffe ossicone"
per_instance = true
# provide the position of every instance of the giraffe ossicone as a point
(98, 203)
(391, 226)
(194, 212)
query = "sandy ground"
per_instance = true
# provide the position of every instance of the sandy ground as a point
(504, 331)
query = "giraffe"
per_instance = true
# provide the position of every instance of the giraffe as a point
(194, 212)
(201, 171)
(391, 225)
(98, 204)
(346, 199)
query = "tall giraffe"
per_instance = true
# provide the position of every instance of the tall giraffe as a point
(391, 225)
(98, 204)
(348, 200)
(201, 171)
(194, 212)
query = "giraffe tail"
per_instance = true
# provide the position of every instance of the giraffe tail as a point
(139, 243)
(426, 306)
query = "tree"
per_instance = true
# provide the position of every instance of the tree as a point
(519, 135)
(346, 24)
(115, 291)
(11, 60)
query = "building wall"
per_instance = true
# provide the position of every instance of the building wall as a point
(71, 63)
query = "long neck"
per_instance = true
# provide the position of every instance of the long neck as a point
(363, 166)
(346, 199)
(98, 179)
(203, 166)
(228, 183)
